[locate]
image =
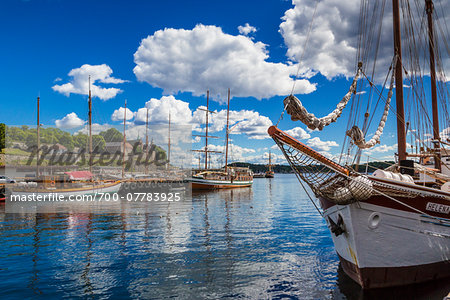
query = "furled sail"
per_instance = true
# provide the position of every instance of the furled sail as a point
(295, 108)
(357, 135)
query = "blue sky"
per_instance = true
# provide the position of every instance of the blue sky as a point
(45, 39)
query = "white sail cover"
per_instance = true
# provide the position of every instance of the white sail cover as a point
(295, 108)
(356, 134)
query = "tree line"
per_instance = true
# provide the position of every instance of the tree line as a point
(260, 168)
(28, 136)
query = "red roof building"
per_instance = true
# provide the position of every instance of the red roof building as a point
(79, 175)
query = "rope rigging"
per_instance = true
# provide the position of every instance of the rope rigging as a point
(357, 135)
(364, 103)
(298, 112)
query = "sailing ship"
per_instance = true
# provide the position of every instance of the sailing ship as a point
(144, 182)
(69, 183)
(270, 173)
(259, 175)
(392, 227)
(226, 178)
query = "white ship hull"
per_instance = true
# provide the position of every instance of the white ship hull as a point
(385, 245)
(210, 184)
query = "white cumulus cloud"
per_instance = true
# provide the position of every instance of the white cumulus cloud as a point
(207, 58)
(79, 82)
(235, 153)
(298, 133)
(69, 121)
(96, 128)
(118, 114)
(331, 48)
(445, 134)
(158, 111)
(317, 143)
(333, 43)
(381, 149)
(246, 29)
(247, 122)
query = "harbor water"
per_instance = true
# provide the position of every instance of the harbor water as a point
(263, 242)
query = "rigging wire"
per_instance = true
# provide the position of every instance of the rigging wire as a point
(300, 60)
(304, 46)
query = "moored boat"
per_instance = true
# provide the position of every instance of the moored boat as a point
(226, 178)
(259, 175)
(219, 179)
(270, 173)
(64, 185)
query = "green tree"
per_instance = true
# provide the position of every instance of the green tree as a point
(98, 142)
(2, 137)
(15, 134)
(80, 140)
(112, 135)
(66, 140)
(31, 140)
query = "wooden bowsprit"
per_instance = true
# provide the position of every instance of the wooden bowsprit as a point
(325, 177)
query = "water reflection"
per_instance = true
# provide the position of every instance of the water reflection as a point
(263, 242)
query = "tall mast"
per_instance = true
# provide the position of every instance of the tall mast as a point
(38, 137)
(168, 145)
(146, 144)
(228, 124)
(206, 136)
(206, 130)
(401, 134)
(124, 139)
(90, 126)
(434, 104)
(270, 161)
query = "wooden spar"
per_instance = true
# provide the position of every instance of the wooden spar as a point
(146, 144)
(434, 104)
(206, 136)
(274, 132)
(270, 161)
(401, 134)
(168, 146)
(90, 126)
(124, 139)
(228, 124)
(206, 130)
(38, 136)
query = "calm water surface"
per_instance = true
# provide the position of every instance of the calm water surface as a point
(263, 242)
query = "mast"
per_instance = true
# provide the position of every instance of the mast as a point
(206, 136)
(270, 161)
(401, 134)
(124, 139)
(146, 144)
(206, 130)
(90, 126)
(434, 104)
(38, 138)
(168, 146)
(228, 124)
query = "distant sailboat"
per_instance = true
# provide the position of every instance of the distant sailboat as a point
(226, 178)
(144, 182)
(270, 173)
